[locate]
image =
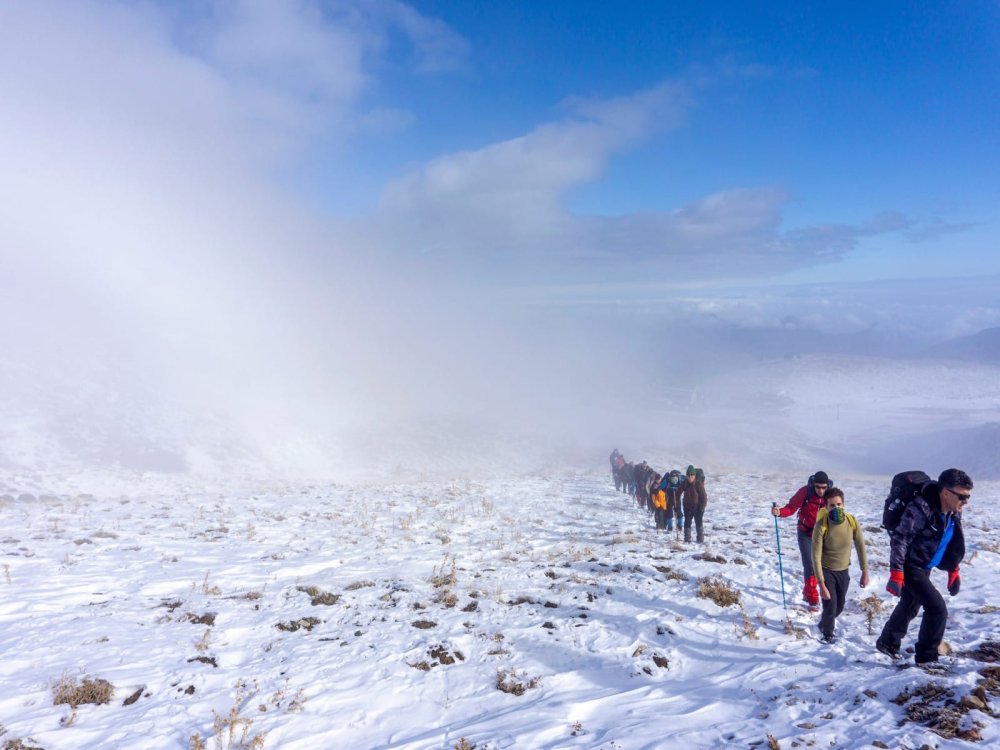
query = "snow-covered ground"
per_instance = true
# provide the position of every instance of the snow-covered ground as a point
(386, 616)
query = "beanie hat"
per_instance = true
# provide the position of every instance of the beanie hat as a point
(691, 470)
(820, 477)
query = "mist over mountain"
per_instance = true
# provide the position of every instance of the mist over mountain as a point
(275, 239)
(983, 346)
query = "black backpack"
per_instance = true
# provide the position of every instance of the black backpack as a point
(905, 486)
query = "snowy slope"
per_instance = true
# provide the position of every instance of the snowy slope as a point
(425, 595)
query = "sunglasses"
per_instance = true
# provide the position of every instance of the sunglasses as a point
(963, 497)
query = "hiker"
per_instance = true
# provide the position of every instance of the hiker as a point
(659, 504)
(671, 485)
(835, 531)
(807, 502)
(694, 499)
(929, 535)
(617, 461)
(628, 479)
(652, 485)
(617, 467)
(639, 474)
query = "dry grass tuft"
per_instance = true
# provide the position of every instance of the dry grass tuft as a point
(718, 590)
(508, 681)
(202, 644)
(233, 731)
(318, 596)
(16, 744)
(68, 691)
(209, 590)
(670, 574)
(444, 578)
(303, 623)
(792, 629)
(445, 575)
(208, 618)
(708, 557)
(871, 605)
(745, 627)
(498, 639)
(359, 585)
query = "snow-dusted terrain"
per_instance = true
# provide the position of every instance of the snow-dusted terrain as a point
(389, 616)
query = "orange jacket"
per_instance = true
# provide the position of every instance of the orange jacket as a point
(660, 500)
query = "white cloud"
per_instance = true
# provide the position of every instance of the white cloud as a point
(144, 236)
(507, 199)
(436, 46)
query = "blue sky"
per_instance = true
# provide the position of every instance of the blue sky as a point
(852, 111)
(576, 152)
(873, 128)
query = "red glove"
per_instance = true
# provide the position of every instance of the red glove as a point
(895, 585)
(954, 581)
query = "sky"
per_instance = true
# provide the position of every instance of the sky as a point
(444, 206)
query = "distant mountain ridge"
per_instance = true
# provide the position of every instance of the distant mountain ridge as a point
(983, 347)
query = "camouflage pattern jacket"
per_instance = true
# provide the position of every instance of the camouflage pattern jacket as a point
(920, 531)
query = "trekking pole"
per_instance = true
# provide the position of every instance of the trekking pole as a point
(781, 572)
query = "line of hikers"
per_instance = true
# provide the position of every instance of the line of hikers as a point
(924, 521)
(923, 518)
(666, 496)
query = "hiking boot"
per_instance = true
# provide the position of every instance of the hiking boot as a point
(885, 648)
(828, 638)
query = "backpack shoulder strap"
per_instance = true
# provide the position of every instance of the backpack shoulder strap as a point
(822, 522)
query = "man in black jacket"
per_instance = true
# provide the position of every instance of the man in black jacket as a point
(929, 536)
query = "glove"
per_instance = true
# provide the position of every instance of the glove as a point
(954, 581)
(895, 585)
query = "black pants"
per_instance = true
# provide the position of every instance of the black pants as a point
(918, 591)
(660, 514)
(693, 514)
(837, 581)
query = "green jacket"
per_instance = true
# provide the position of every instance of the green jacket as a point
(831, 544)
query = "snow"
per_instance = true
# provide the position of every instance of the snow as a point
(556, 577)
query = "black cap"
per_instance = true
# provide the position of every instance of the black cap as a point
(820, 477)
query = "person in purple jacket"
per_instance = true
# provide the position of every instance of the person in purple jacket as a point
(929, 536)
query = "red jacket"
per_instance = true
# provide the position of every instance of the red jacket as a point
(807, 503)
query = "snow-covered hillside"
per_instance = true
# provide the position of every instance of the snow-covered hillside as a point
(541, 612)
